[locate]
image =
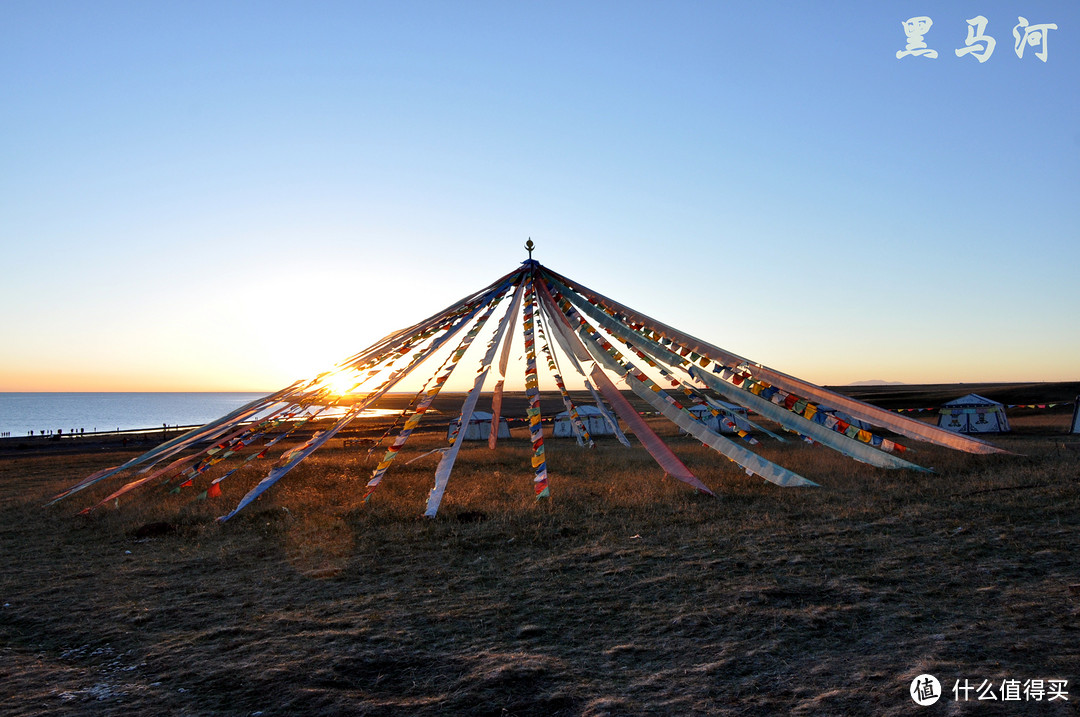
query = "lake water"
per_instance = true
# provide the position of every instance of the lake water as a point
(21, 413)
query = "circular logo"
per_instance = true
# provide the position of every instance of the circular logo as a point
(925, 690)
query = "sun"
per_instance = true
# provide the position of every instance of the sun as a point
(341, 383)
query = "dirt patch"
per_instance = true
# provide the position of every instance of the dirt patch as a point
(625, 593)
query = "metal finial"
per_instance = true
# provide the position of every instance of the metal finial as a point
(530, 246)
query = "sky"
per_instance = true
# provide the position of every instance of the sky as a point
(231, 196)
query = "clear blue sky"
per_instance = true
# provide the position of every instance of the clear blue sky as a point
(230, 196)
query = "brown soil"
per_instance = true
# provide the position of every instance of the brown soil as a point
(625, 593)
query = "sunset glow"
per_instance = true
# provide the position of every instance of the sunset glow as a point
(214, 199)
(343, 383)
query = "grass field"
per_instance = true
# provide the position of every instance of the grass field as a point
(622, 594)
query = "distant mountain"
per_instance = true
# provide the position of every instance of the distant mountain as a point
(876, 382)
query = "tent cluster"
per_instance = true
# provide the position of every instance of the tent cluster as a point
(568, 325)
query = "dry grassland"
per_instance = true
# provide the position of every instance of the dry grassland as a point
(622, 594)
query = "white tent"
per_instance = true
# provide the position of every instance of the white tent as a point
(591, 416)
(716, 423)
(479, 427)
(1076, 416)
(973, 414)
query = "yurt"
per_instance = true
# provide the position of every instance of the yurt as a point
(479, 427)
(716, 423)
(973, 414)
(591, 416)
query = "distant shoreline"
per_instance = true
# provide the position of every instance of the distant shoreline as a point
(873, 384)
(890, 397)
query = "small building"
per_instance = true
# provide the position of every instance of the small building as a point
(591, 416)
(973, 414)
(717, 423)
(479, 427)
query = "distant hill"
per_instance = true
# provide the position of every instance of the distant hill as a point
(910, 395)
(876, 382)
